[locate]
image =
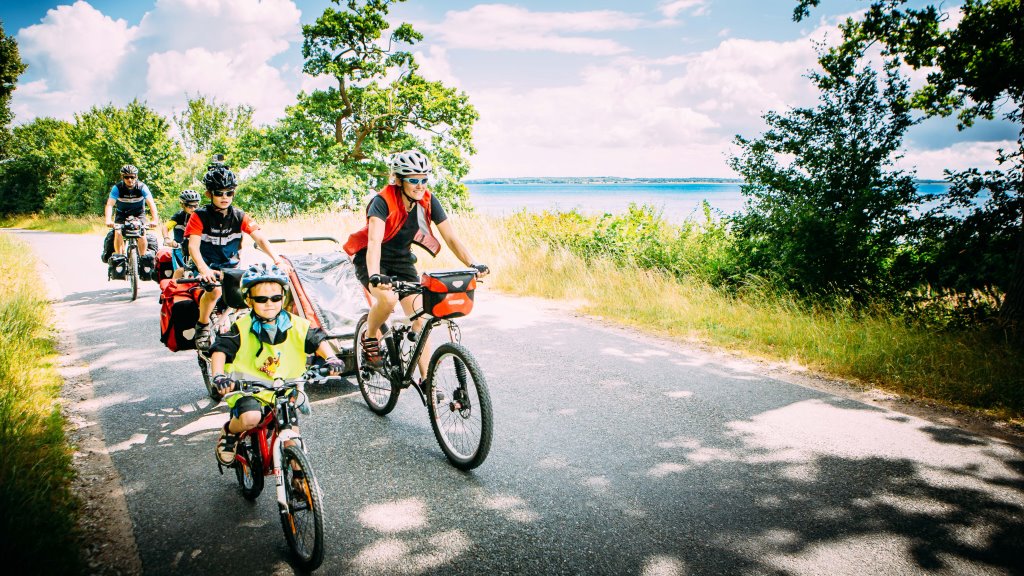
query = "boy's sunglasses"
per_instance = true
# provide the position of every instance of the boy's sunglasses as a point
(191, 205)
(265, 299)
(218, 193)
(415, 181)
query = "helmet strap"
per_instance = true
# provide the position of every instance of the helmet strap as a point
(410, 201)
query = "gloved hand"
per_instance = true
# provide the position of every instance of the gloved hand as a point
(223, 384)
(482, 270)
(335, 364)
(380, 279)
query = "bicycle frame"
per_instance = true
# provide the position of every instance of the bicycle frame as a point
(273, 431)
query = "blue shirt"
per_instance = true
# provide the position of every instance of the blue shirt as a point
(130, 200)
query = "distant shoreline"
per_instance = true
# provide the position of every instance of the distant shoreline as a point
(592, 180)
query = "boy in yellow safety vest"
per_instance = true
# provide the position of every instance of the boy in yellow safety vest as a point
(266, 344)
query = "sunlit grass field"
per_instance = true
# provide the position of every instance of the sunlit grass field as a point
(37, 508)
(64, 224)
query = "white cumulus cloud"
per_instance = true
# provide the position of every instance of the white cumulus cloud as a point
(507, 27)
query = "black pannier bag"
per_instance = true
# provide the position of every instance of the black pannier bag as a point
(117, 267)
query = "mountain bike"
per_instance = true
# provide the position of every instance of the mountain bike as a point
(454, 389)
(132, 229)
(261, 452)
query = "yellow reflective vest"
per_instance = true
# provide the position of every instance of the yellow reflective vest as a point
(285, 360)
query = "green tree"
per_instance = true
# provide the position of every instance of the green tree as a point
(206, 126)
(11, 67)
(380, 104)
(43, 157)
(135, 134)
(825, 209)
(976, 68)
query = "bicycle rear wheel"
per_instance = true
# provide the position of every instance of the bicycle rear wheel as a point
(459, 405)
(250, 472)
(303, 523)
(133, 271)
(378, 392)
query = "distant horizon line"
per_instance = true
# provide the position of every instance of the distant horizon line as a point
(613, 179)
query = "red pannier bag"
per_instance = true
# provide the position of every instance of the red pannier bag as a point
(179, 312)
(448, 294)
(164, 264)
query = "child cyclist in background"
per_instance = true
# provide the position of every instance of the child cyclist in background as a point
(398, 216)
(214, 234)
(174, 230)
(265, 344)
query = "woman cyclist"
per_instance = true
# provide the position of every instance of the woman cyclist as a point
(397, 217)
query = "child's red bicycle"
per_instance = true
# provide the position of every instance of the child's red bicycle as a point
(275, 448)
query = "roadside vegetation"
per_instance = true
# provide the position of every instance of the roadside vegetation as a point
(55, 223)
(38, 519)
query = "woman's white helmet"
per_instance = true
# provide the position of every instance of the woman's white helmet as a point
(409, 162)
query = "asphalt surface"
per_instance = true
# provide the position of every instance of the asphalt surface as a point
(612, 454)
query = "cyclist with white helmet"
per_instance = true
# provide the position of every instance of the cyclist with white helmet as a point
(129, 197)
(174, 230)
(265, 344)
(397, 217)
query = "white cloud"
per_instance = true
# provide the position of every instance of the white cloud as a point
(672, 8)
(434, 66)
(507, 27)
(960, 156)
(79, 52)
(220, 48)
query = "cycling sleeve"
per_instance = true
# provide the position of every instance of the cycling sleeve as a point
(314, 337)
(228, 343)
(194, 226)
(113, 192)
(437, 213)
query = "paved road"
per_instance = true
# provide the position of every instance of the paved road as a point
(613, 454)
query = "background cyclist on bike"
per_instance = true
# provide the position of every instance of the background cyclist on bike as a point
(265, 344)
(129, 197)
(398, 216)
(214, 234)
(174, 230)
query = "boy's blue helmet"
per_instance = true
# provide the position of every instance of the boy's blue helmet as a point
(260, 273)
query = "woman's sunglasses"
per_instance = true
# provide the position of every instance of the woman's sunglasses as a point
(415, 181)
(218, 193)
(265, 299)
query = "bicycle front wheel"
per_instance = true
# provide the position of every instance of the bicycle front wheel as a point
(133, 272)
(459, 405)
(304, 521)
(377, 390)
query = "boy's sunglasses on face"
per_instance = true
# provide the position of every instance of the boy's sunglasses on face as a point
(415, 181)
(192, 206)
(265, 299)
(218, 193)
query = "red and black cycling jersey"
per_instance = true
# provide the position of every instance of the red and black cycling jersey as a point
(221, 234)
(402, 227)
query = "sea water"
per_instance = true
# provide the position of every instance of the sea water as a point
(677, 201)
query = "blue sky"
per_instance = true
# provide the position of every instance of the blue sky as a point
(635, 88)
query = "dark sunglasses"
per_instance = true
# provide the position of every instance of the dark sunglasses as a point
(218, 193)
(191, 205)
(415, 181)
(265, 299)
(128, 177)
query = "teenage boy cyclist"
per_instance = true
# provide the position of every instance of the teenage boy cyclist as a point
(398, 216)
(129, 197)
(214, 234)
(174, 230)
(265, 344)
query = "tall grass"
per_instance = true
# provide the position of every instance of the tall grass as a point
(37, 507)
(876, 347)
(64, 224)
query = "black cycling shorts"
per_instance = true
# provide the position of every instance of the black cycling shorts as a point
(120, 217)
(246, 404)
(400, 270)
